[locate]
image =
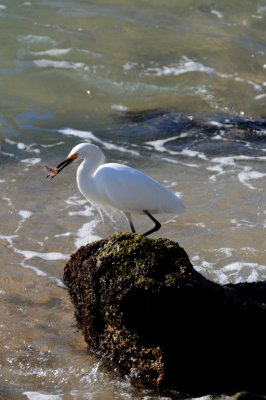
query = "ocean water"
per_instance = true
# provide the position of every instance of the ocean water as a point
(175, 89)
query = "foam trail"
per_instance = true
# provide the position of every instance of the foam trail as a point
(90, 136)
(31, 161)
(24, 214)
(51, 256)
(52, 52)
(76, 66)
(230, 273)
(8, 239)
(186, 65)
(85, 234)
(119, 107)
(87, 211)
(37, 270)
(75, 200)
(248, 175)
(159, 145)
(23, 147)
(41, 396)
(81, 134)
(35, 39)
(218, 14)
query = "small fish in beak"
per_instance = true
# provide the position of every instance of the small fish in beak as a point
(54, 171)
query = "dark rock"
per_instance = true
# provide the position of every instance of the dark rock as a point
(141, 305)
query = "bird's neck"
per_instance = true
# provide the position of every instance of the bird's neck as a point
(87, 169)
(85, 176)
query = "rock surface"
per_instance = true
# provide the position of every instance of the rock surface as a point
(142, 306)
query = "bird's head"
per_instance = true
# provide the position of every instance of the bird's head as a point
(82, 150)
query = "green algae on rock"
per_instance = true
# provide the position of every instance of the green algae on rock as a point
(142, 306)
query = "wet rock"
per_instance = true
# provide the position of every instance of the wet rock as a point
(142, 306)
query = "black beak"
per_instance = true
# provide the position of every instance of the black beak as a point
(54, 171)
(64, 164)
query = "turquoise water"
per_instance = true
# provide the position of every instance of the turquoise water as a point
(176, 89)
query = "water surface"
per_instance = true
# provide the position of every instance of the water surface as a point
(175, 89)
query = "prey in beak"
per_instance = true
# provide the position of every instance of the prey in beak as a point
(54, 171)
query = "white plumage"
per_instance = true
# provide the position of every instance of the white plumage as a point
(119, 186)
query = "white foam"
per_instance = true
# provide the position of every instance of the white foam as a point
(77, 66)
(25, 214)
(57, 281)
(159, 145)
(41, 396)
(35, 39)
(52, 145)
(57, 52)
(86, 234)
(173, 161)
(37, 270)
(8, 200)
(31, 161)
(234, 272)
(112, 146)
(227, 251)
(81, 134)
(52, 52)
(27, 254)
(186, 65)
(7, 154)
(215, 168)
(217, 13)
(90, 136)
(193, 153)
(201, 265)
(247, 175)
(231, 272)
(242, 222)
(2, 7)
(231, 161)
(224, 160)
(8, 239)
(23, 146)
(63, 234)
(129, 65)
(50, 256)
(119, 107)
(207, 397)
(260, 96)
(86, 212)
(217, 124)
(75, 200)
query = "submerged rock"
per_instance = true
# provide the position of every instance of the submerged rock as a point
(142, 306)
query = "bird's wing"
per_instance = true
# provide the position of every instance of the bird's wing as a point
(131, 190)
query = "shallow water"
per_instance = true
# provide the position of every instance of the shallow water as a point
(73, 71)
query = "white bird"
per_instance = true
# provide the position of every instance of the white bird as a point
(119, 186)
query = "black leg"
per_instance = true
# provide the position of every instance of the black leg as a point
(157, 224)
(128, 217)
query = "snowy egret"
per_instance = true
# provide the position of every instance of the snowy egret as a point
(119, 186)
